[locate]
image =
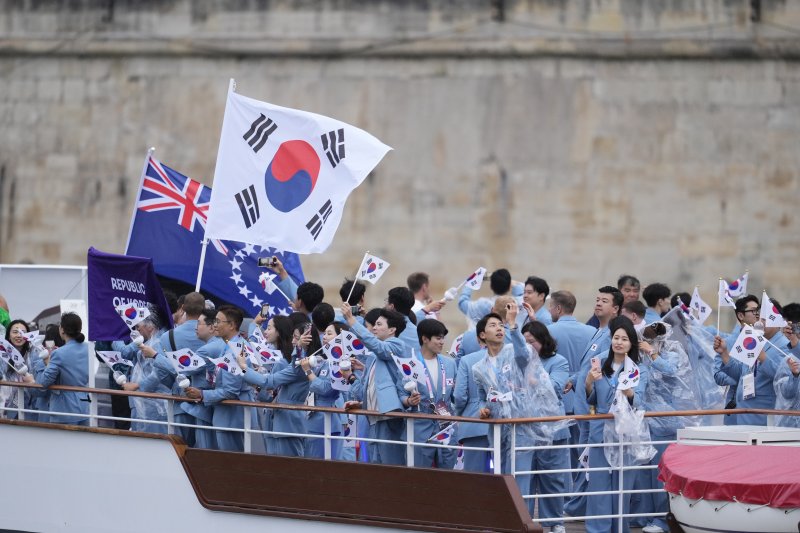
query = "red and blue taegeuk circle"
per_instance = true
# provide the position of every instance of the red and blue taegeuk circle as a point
(185, 360)
(130, 313)
(291, 175)
(749, 343)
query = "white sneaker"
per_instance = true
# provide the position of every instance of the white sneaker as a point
(652, 528)
(558, 529)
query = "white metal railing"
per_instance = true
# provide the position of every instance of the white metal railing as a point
(495, 449)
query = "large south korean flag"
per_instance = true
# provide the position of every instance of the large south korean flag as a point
(283, 175)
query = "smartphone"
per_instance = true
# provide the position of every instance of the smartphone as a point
(265, 310)
(355, 309)
(49, 344)
(270, 262)
(307, 329)
(595, 363)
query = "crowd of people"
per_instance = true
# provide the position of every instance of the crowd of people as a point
(523, 355)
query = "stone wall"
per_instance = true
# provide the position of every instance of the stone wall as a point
(571, 140)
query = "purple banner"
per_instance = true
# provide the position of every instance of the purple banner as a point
(120, 280)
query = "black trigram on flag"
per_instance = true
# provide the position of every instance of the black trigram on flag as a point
(248, 205)
(333, 144)
(317, 221)
(259, 132)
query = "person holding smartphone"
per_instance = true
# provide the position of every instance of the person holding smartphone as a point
(599, 387)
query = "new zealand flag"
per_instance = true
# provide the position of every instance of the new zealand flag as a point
(169, 226)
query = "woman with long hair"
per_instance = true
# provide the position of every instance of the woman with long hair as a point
(600, 386)
(324, 395)
(289, 378)
(9, 395)
(557, 367)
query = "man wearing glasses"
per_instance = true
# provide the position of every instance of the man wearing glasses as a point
(754, 388)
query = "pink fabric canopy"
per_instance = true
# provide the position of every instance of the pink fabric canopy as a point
(761, 475)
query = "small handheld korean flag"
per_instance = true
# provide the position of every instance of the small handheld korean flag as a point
(724, 297)
(738, 287)
(748, 346)
(132, 315)
(283, 175)
(262, 355)
(410, 368)
(33, 337)
(111, 358)
(372, 268)
(338, 381)
(185, 359)
(353, 347)
(11, 355)
(349, 432)
(236, 346)
(227, 363)
(444, 436)
(456, 346)
(475, 280)
(629, 378)
(702, 310)
(769, 313)
(495, 396)
(267, 282)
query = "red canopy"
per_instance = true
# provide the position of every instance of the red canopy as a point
(761, 475)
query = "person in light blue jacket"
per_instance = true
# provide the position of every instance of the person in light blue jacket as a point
(379, 385)
(225, 385)
(435, 396)
(324, 396)
(185, 336)
(68, 365)
(600, 386)
(501, 284)
(534, 297)
(762, 374)
(537, 335)
(290, 380)
(572, 337)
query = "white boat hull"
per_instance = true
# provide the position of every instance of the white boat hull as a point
(708, 516)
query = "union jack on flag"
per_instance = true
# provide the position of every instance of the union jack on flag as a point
(164, 189)
(169, 226)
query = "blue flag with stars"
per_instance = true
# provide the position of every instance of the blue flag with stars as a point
(169, 226)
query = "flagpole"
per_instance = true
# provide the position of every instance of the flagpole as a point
(231, 89)
(202, 263)
(282, 293)
(719, 308)
(353, 286)
(139, 193)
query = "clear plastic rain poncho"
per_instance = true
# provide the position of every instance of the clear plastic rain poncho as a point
(514, 391)
(144, 408)
(671, 386)
(787, 396)
(698, 344)
(629, 428)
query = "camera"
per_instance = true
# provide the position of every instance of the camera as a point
(268, 262)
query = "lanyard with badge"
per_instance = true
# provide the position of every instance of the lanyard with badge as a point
(749, 383)
(440, 407)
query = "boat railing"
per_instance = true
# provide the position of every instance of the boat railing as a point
(494, 450)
